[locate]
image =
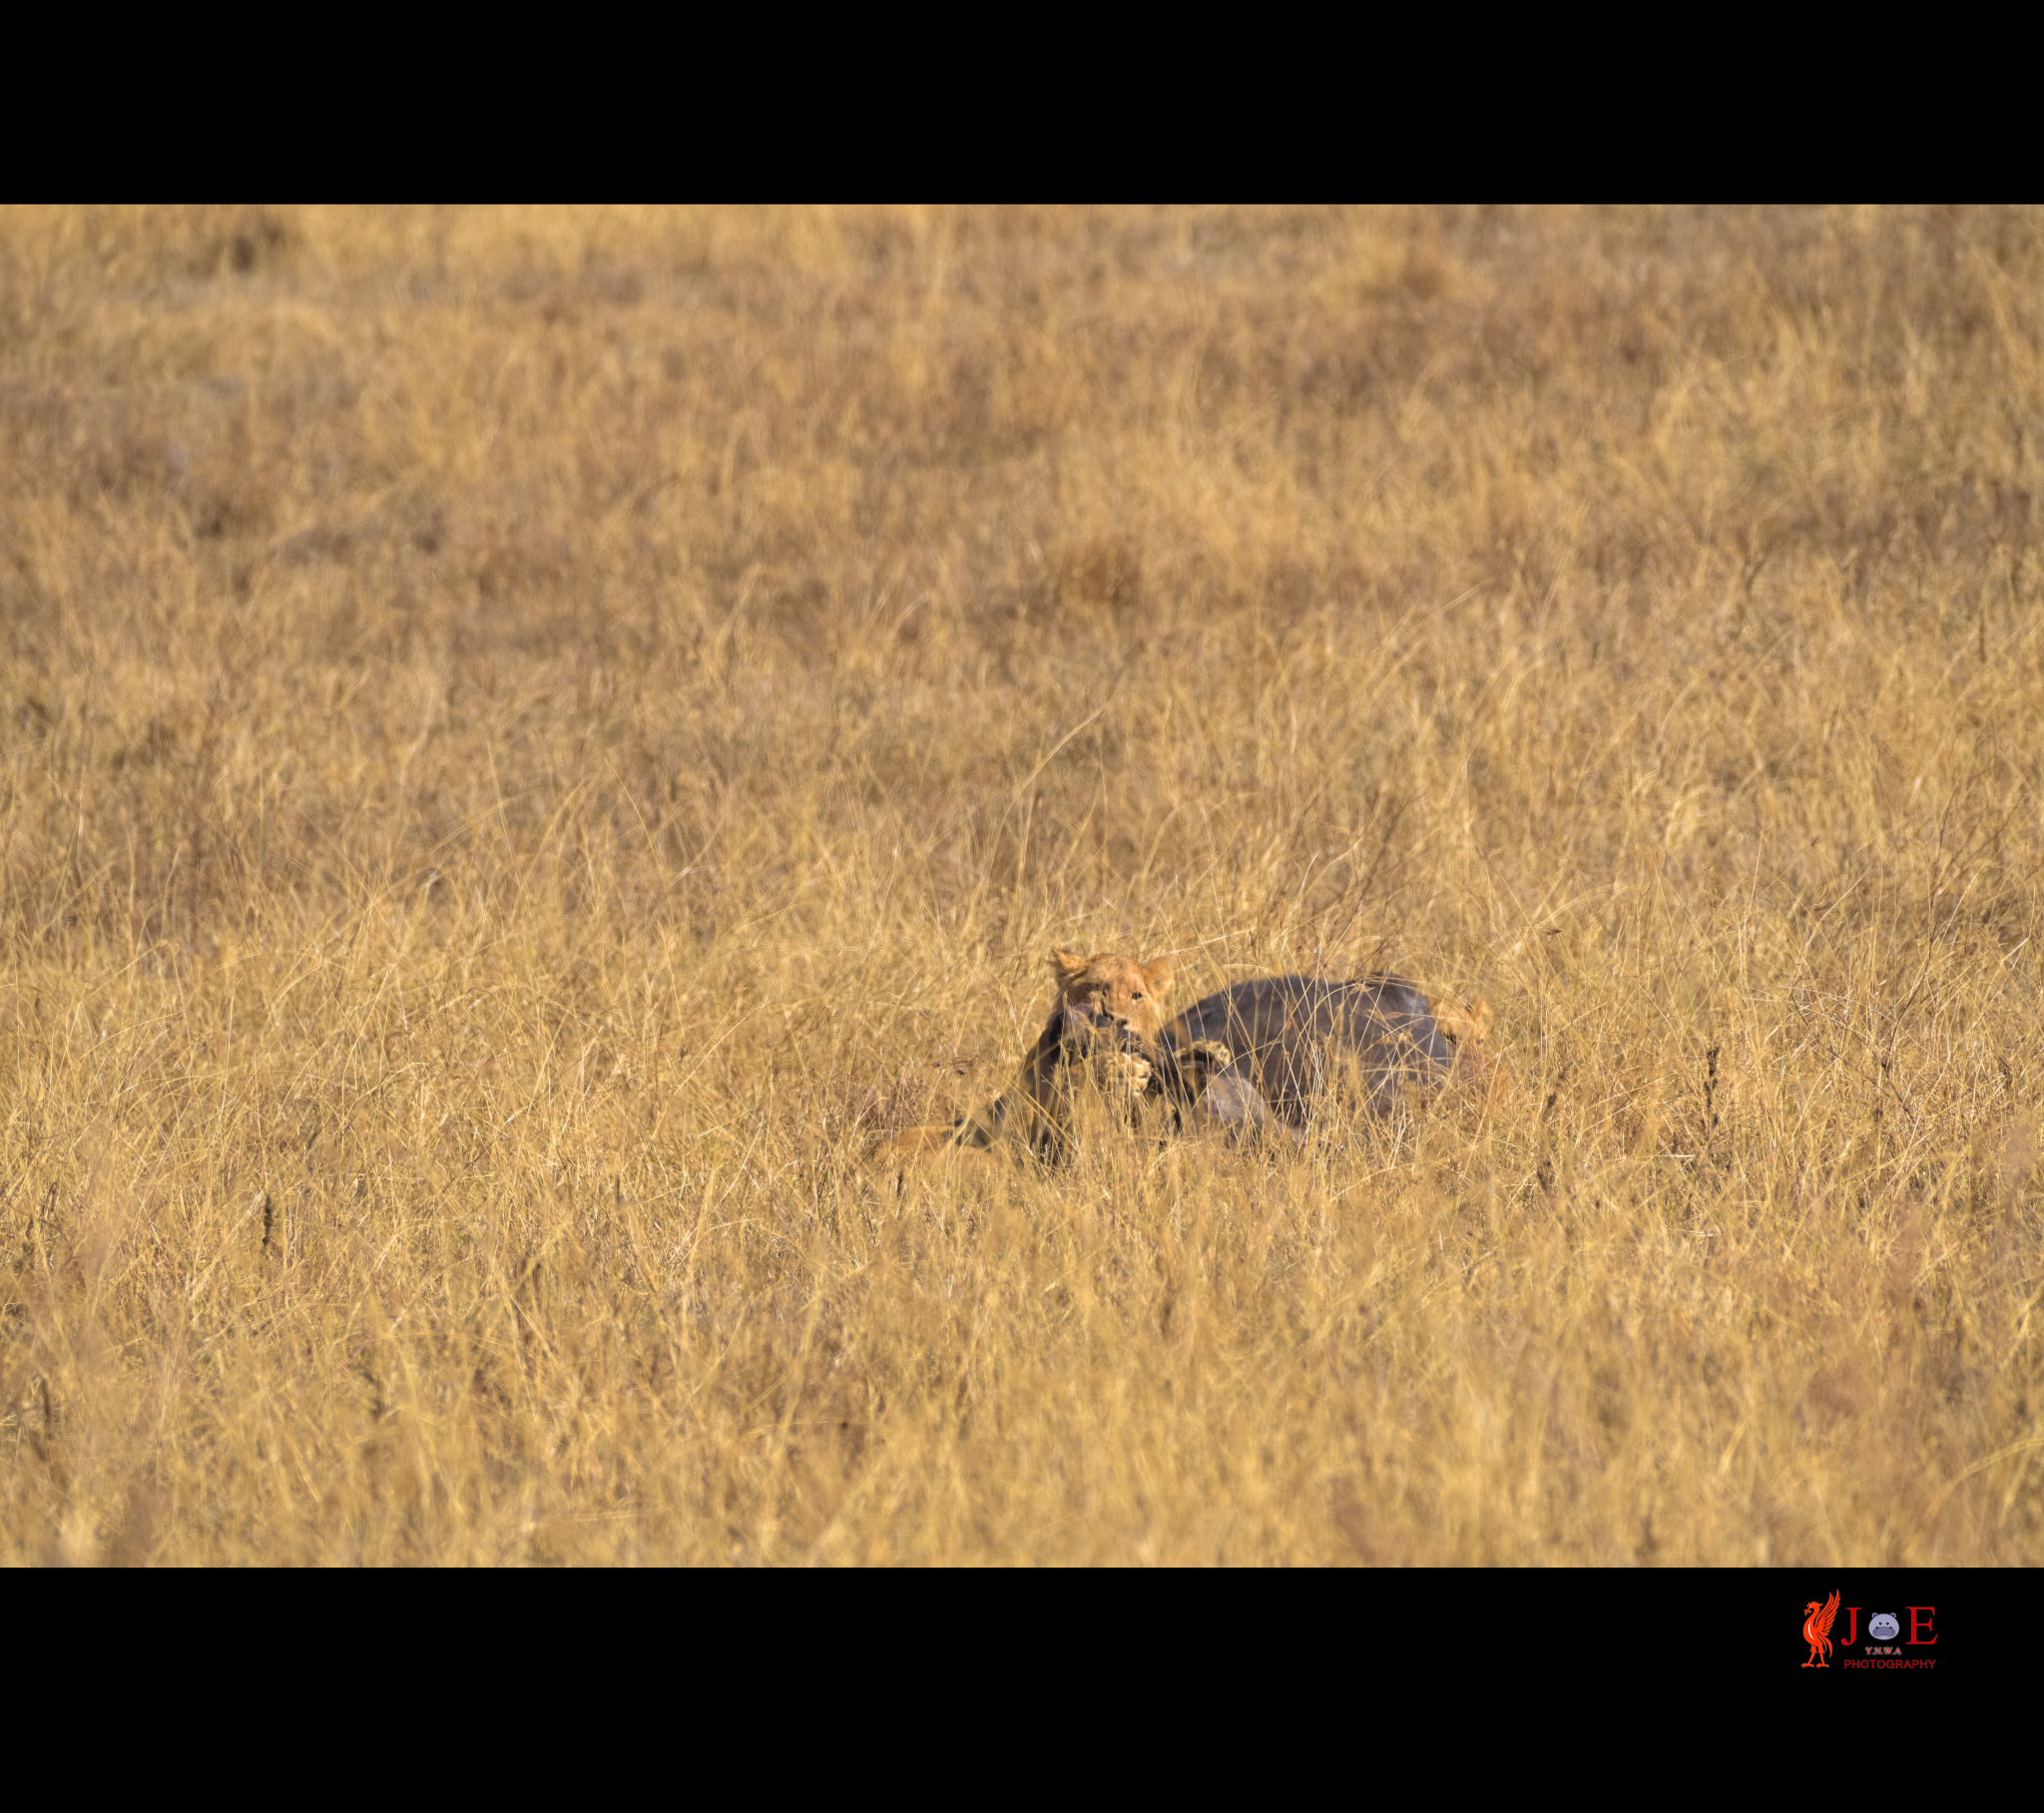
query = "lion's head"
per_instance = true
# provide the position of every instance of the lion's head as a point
(1114, 989)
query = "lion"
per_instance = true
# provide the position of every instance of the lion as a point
(1255, 1056)
(1103, 1027)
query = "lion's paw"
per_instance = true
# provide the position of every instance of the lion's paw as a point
(1123, 1073)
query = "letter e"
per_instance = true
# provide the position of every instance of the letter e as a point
(1924, 1624)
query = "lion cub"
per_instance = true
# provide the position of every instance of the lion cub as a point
(1102, 1029)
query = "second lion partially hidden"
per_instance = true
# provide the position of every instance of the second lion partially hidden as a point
(1260, 1054)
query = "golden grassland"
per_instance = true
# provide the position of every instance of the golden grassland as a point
(529, 739)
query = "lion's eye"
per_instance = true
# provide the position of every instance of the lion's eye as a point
(1136, 996)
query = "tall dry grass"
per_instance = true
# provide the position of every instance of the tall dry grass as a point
(528, 739)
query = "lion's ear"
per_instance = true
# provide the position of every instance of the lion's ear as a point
(1159, 973)
(1066, 966)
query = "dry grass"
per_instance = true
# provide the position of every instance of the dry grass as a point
(526, 739)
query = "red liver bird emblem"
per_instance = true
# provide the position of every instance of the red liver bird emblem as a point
(1817, 1630)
